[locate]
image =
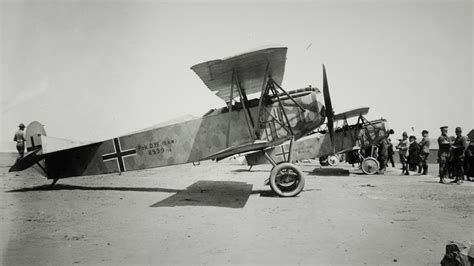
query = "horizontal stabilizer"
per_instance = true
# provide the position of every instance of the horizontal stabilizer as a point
(28, 160)
(51, 144)
(352, 113)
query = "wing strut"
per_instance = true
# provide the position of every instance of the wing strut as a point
(273, 87)
(244, 101)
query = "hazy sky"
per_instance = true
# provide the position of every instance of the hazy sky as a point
(91, 70)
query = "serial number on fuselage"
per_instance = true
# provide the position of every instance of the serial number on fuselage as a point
(157, 147)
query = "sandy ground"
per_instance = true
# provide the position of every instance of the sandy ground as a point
(218, 213)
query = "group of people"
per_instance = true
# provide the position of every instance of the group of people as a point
(454, 155)
(413, 154)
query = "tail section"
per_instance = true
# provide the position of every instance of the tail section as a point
(33, 154)
(33, 134)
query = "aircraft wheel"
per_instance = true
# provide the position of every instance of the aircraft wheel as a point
(286, 180)
(370, 166)
(333, 160)
(323, 161)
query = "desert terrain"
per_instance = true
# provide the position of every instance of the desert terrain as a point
(219, 213)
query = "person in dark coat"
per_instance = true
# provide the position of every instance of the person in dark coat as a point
(413, 154)
(390, 153)
(424, 152)
(444, 153)
(382, 155)
(459, 147)
(469, 158)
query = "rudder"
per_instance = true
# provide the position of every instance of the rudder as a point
(33, 134)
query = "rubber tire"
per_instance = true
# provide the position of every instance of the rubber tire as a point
(369, 169)
(323, 161)
(333, 160)
(291, 191)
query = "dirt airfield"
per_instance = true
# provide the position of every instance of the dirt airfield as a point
(219, 213)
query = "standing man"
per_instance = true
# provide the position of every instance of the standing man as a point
(403, 152)
(383, 154)
(444, 143)
(390, 153)
(424, 152)
(469, 157)
(413, 154)
(459, 148)
(19, 138)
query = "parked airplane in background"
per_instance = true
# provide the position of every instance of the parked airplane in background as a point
(243, 125)
(359, 136)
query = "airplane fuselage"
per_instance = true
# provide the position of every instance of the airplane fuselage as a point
(190, 141)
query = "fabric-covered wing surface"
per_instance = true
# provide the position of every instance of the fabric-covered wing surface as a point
(249, 68)
(352, 113)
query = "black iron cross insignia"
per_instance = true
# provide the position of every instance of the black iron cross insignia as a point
(118, 154)
(282, 153)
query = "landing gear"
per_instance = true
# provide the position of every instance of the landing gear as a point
(333, 160)
(286, 180)
(369, 165)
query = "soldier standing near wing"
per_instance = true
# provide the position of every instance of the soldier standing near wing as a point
(459, 148)
(19, 138)
(383, 154)
(424, 152)
(403, 152)
(444, 143)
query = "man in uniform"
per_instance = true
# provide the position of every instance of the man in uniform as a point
(413, 154)
(469, 157)
(459, 147)
(383, 154)
(444, 143)
(19, 138)
(390, 153)
(403, 152)
(424, 152)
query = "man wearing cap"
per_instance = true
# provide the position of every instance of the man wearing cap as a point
(459, 147)
(413, 154)
(390, 153)
(469, 158)
(403, 152)
(383, 154)
(19, 138)
(444, 143)
(424, 152)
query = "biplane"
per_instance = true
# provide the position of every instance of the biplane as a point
(362, 135)
(245, 124)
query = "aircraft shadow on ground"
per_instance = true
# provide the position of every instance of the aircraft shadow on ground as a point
(229, 194)
(89, 188)
(329, 172)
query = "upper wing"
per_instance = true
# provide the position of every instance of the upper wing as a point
(352, 113)
(249, 68)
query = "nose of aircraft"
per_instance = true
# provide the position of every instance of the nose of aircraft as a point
(321, 111)
(317, 112)
(309, 102)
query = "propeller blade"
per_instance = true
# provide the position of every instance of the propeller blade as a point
(329, 110)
